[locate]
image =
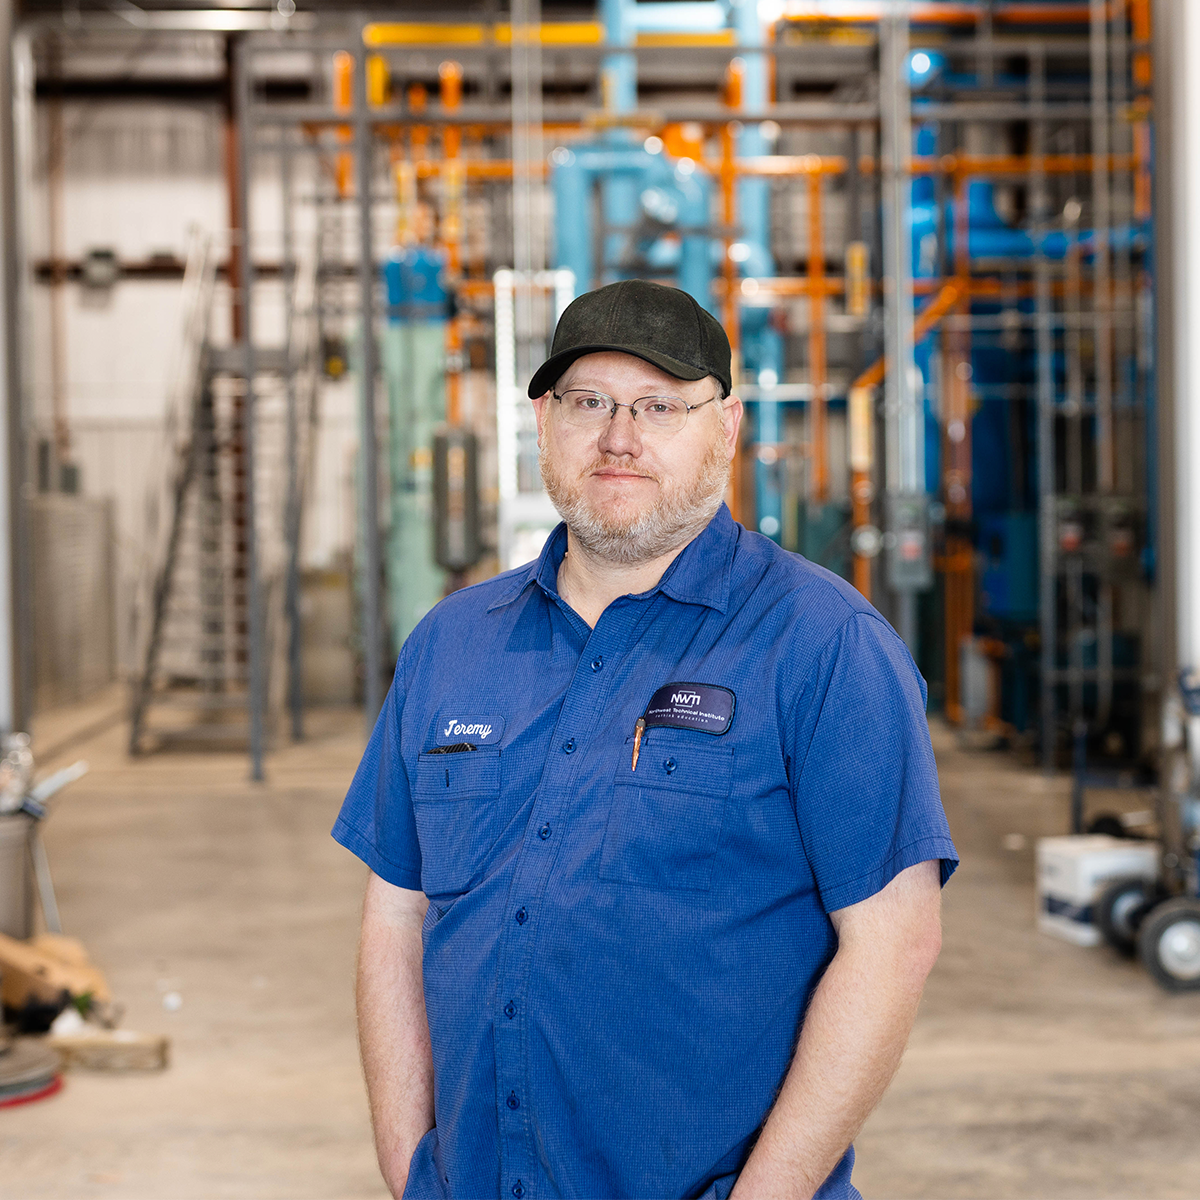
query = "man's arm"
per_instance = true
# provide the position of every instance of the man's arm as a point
(393, 1032)
(853, 1035)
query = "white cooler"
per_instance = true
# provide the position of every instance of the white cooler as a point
(1073, 871)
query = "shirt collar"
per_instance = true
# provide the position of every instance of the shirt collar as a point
(700, 575)
(543, 570)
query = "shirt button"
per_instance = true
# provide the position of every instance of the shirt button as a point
(518, 1189)
(512, 1101)
(510, 1010)
(669, 765)
(597, 663)
(544, 832)
(569, 746)
(521, 915)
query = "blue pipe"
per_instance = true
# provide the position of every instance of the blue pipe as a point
(636, 181)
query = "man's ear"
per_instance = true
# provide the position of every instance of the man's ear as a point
(732, 419)
(539, 411)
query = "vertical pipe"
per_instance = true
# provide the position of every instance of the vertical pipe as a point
(986, 59)
(1048, 542)
(905, 457)
(12, 426)
(618, 79)
(507, 407)
(453, 188)
(292, 517)
(861, 420)
(956, 375)
(1181, 246)
(905, 449)
(343, 101)
(372, 554)
(1101, 221)
(528, 234)
(729, 309)
(818, 433)
(1102, 301)
(55, 155)
(1143, 79)
(257, 665)
(729, 302)
(1073, 420)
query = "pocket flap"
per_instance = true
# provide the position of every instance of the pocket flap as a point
(469, 775)
(678, 763)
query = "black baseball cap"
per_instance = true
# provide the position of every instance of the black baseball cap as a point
(662, 325)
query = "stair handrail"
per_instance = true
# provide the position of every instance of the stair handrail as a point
(164, 493)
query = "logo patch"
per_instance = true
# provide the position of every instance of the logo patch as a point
(459, 727)
(703, 706)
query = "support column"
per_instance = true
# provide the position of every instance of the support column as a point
(908, 559)
(1178, 262)
(256, 659)
(369, 452)
(12, 715)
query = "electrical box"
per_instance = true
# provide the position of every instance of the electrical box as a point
(456, 542)
(910, 558)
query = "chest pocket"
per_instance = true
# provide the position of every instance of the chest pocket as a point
(665, 824)
(456, 805)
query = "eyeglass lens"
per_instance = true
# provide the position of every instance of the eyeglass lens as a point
(664, 413)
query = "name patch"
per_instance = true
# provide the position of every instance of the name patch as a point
(455, 727)
(702, 706)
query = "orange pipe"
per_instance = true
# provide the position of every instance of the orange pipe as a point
(418, 135)
(926, 319)
(343, 101)
(1143, 79)
(780, 285)
(1015, 164)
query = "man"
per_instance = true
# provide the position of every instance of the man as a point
(670, 795)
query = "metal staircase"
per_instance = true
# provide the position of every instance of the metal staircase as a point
(193, 686)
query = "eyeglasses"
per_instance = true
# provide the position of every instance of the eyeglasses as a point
(662, 414)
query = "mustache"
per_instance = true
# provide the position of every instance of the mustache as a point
(620, 462)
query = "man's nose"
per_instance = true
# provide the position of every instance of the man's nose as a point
(621, 434)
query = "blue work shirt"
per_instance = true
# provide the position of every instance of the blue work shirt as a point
(616, 962)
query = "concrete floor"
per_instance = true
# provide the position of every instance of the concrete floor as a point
(1037, 1069)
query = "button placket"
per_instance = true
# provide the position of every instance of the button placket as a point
(578, 718)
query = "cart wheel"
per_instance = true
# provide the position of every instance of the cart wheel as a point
(1169, 944)
(1121, 909)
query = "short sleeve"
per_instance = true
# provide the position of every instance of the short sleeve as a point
(866, 793)
(376, 820)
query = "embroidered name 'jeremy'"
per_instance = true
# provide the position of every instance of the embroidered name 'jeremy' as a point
(457, 729)
(480, 729)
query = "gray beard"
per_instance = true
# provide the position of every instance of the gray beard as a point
(672, 521)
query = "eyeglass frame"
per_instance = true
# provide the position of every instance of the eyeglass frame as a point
(632, 406)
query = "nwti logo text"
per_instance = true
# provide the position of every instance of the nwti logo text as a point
(706, 707)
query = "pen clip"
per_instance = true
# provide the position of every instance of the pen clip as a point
(638, 730)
